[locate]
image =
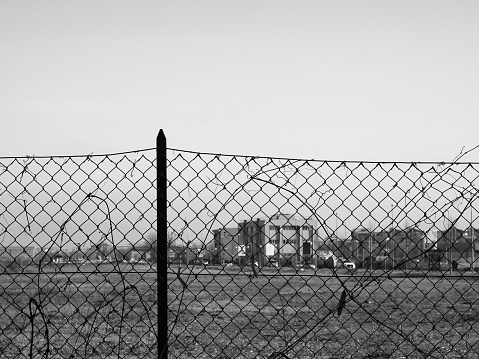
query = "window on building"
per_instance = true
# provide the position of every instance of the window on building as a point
(305, 233)
(274, 234)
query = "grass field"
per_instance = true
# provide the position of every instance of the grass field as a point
(79, 312)
(215, 313)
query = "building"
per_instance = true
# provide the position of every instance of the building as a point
(407, 245)
(363, 244)
(340, 248)
(457, 245)
(178, 254)
(392, 247)
(226, 247)
(284, 238)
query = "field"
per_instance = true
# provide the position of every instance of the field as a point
(85, 312)
(217, 313)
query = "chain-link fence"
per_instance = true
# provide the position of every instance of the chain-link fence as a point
(264, 257)
(290, 258)
(78, 275)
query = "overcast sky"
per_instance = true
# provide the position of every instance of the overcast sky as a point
(342, 80)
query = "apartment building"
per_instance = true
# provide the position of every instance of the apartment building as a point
(226, 246)
(284, 238)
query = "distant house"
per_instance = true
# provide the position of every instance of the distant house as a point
(287, 239)
(326, 259)
(59, 257)
(458, 245)
(52, 256)
(341, 248)
(391, 247)
(225, 247)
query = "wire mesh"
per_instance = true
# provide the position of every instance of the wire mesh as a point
(291, 258)
(78, 256)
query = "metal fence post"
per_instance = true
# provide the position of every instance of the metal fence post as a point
(162, 245)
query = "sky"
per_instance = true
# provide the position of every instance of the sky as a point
(336, 80)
